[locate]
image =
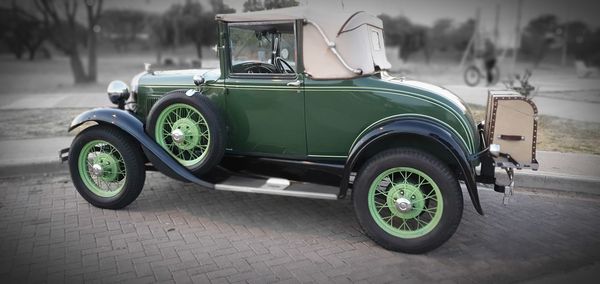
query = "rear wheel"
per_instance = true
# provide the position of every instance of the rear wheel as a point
(472, 76)
(407, 200)
(107, 167)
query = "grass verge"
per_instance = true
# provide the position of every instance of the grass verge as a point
(36, 123)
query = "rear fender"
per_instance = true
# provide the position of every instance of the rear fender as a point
(424, 128)
(127, 122)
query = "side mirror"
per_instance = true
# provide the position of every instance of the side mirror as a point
(198, 80)
(118, 93)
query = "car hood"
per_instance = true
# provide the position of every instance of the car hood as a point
(177, 77)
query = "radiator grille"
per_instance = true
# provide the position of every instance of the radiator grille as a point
(150, 101)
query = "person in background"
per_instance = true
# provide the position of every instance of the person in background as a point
(489, 58)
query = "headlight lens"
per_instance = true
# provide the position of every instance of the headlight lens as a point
(118, 92)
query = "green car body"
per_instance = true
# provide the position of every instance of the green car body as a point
(319, 119)
(265, 122)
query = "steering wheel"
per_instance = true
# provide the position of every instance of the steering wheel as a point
(279, 63)
(259, 69)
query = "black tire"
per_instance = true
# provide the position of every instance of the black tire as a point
(210, 113)
(472, 76)
(437, 171)
(132, 162)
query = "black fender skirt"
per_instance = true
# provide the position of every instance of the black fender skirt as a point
(422, 127)
(127, 122)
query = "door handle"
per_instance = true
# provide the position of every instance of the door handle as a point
(294, 83)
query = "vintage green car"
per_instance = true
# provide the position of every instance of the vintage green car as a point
(302, 106)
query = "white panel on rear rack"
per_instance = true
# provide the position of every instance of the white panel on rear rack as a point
(511, 122)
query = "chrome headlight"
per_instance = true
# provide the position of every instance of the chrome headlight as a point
(118, 92)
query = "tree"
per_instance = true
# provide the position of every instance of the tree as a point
(122, 27)
(538, 36)
(277, 4)
(160, 34)
(461, 35)
(219, 7)
(190, 22)
(257, 5)
(65, 32)
(440, 35)
(21, 31)
(591, 48)
(399, 31)
(575, 35)
(253, 5)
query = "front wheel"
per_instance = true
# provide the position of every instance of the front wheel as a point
(107, 167)
(407, 200)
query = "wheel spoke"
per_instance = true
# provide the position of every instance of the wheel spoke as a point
(420, 222)
(421, 191)
(196, 135)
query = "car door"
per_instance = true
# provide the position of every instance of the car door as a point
(265, 103)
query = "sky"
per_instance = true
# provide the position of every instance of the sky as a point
(426, 12)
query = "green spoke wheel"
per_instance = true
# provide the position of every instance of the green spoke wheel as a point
(107, 166)
(102, 168)
(189, 128)
(184, 133)
(405, 202)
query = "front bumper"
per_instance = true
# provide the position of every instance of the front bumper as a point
(63, 155)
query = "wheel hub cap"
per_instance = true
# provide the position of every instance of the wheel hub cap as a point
(403, 204)
(405, 200)
(101, 168)
(97, 170)
(106, 167)
(178, 136)
(185, 133)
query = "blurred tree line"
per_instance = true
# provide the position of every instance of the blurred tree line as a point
(27, 25)
(539, 37)
(575, 38)
(444, 35)
(73, 27)
(70, 26)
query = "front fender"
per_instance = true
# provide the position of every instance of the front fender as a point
(424, 128)
(127, 122)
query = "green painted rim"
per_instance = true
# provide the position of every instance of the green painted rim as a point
(196, 140)
(411, 184)
(111, 181)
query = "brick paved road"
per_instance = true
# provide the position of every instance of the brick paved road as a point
(175, 233)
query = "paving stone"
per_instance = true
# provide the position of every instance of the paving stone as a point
(180, 233)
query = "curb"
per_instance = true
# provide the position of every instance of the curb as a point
(532, 180)
(558, 182)
(31, 169)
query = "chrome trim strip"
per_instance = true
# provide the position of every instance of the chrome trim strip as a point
(327, 156)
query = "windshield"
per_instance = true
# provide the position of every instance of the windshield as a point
(262, 48)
